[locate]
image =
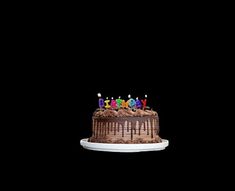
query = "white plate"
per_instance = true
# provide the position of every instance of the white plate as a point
(129, 148)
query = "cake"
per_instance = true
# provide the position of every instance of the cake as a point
(132, 124)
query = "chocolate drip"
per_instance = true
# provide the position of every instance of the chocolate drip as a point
(101, 130)
(135, 128)
(96, 128)
(129, 126)
(131, 131)
(117, 125)
(126, 125)
(138, 126)
(148, 126)
(105, 129)
(152, 126)
(110, 125)
(122, 124)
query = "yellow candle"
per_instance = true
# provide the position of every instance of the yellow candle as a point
(107, 106)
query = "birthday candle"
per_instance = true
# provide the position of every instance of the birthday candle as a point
(125, 104)
(113, 103)
(107, 106)
(131, 102)
(138, 103)
(101, 101)
(144, 102)
(119, 102)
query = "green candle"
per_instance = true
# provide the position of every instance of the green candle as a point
(119, 102)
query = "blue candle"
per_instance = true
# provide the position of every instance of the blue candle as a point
(131, 102)
(138, 103)
(101, 101)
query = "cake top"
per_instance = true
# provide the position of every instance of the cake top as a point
(123, 113)
(122, 108)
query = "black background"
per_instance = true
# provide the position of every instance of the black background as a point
(71, 99)
(115, 68)
(159, 58)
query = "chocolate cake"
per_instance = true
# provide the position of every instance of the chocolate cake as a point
(125, 125)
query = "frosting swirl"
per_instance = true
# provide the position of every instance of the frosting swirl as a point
(124, 113)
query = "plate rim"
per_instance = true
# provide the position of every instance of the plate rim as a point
(111, 147)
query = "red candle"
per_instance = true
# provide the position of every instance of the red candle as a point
(144, 102)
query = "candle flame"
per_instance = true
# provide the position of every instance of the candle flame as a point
(99, 94)
(129, 96)
(107, 97)
(119, 97)
(137, 98)
(146, 96)
(111, 97)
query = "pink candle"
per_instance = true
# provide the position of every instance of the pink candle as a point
(113, 103)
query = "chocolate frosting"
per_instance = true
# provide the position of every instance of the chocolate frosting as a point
(125, 126)
(124, 113)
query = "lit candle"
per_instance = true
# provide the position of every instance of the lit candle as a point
(125, 104)
(138, 103)
(144, 102)
(119, 102)
(101, 101)
(131, 102)
(113, 103)
(107, 106)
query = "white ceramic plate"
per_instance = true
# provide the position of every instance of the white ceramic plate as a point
(129, 148)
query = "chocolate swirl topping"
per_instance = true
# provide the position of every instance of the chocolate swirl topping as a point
(124, 113)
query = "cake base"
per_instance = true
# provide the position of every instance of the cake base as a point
(124, 148)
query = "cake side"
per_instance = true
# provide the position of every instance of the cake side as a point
(125, 126)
